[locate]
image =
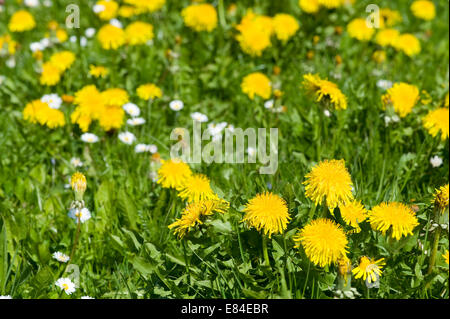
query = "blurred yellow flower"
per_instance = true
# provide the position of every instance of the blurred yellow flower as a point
(358, 29)
(61, 35)
(39, 112)
(98, 71)
(256, 84)
(255, 32)
(267, 212)
(200, 17)
(402, 96)
(394, 216)
(62, 60)
(111, 37)
(112, 117)
(423, 9)
(440, 197)
(148, 91)
(115, 96)
(323, 240)
(408, 44)
(285, 26)
(437, 121)
(329, 181)
(108, 10)
(146, 5)
(445, 255)
(21, 21)
(387, 37)
(50, 75)
(138, 33)
(389, 17)
(309, 6)
(173, 173)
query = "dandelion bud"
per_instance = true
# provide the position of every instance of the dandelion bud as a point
(78, 183)
(344, 273)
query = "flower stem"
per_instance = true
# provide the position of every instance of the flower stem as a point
(265, 253)
(437, 235)
(77, 235)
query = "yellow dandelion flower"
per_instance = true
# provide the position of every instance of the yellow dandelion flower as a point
(403, 97)
(445, 256)
(437, 121)
(331, 4)
(115, 96)
(423, 9)
(111, 37)
(67, 98)
(200, 17)
(254, 33)
(323, 240)
(193, 213)
(387, 37)
(353, 213)
(173, 173)
(326, 90)
(21, 21)
(109, 9)
(126, 11)
(358, 29)
(268, 213)
(148, 91)
(408, 44)
(78, 184)
(330, 181)
(112, 117)
(440, 197)
(196, 188)
(285, 26)
(256, 84)
(62, 60)
(98, 71)
(309, 6)
(39, 112)
(90, 106)
(138, 33)
(143, 6)
(389, 17)
(369, 269)
(61, 35)
(379, 56)
(397, 217)
(50, 75)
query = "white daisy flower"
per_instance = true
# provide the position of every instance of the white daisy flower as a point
(45, 42)
(176, 105)
(98, 8)
(152, 148)
(89, 32)
(59, 256)
(269, 104)
(11, 63)
(83, 41)
(436, 161)
(230, 128)
(36, 46)
(153, 176)
(199, 117)
(73, 39)
(127, 137)
(140, 148)
(53, 100)
(5, 297)
(66, 284)
(87, 297)
(83, 214)
(135, 121)
(115, 23)
(327, 113)
(132, 109)
(76, 162)
(31, 3)
(48, 3)
(384, 84)
(89, 138)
